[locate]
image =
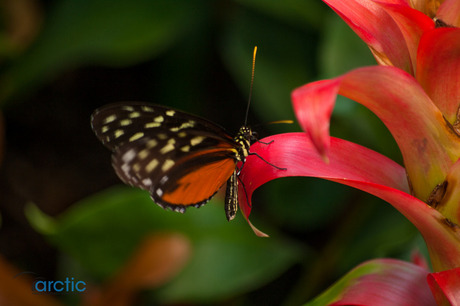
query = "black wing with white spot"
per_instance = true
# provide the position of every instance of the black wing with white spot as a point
(119, 123)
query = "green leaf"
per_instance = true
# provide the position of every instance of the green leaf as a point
(311, 204)
(111, 32)
(284, 61)
(40, 221)
(225, 267)
(102, 231)
(341, 49)
(295, 12)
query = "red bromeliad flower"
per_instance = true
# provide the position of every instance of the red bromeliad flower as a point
(416, 93)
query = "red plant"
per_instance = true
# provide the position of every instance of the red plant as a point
(415, 91)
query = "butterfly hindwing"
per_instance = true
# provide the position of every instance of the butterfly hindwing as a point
(195, 182)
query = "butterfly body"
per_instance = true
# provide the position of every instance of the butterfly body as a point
(180, 159)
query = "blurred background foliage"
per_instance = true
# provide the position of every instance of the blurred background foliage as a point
(66, 214)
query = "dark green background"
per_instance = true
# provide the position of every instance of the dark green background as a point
(195, 56)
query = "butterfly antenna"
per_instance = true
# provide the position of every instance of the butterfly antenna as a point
(252, 82)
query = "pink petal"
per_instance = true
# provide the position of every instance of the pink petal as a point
(380, 282)
(445, 286)
(438, 69)
(418, 259)
(449, 12)
(412, 24)
(427, 144)
(355, 166)
(315, 118)
(372, 23)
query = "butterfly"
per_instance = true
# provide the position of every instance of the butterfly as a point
(181, 159)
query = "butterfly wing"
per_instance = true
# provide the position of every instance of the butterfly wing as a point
(120, 123)
(181, 159)
(175, 180)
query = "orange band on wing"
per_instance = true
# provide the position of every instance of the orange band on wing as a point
(201, 184)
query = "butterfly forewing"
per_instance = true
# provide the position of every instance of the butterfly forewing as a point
(179, 158)
(119, 123)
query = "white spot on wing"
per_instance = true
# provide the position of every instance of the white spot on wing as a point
(196, 140)
(184, 125)
(151, 143)
(118, 133)
(134, 115)
(128, 108)
(147, 182)
(125, 168)
(150, 125)
(143, 154)
(164, 179)
(162, 136)
(136, 167)
(151, 165)
(147, 109)
(128, 156)
(109, 119)
(159, 192)
(125, 122)
(180, 209)
(136, 136)
(167, 148)
(170, 112)
(167, 165)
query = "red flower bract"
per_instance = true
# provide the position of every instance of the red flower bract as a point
(416, 93)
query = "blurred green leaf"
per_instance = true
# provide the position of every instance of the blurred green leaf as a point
(40, 221)
(382, 232)
(102, 231)
(356, 123)
(296, 12)
(341, 49)
(311, 203)
(111, 32)
(222, 268)
(284, 61)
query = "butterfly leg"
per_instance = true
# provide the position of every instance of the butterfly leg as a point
(253, 153)
(265, 143)
(245, 192)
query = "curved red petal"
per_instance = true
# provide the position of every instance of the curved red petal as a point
(427, 144)
(381, 281)
(313, 104)
(412, 24)
(356, 166)
(449, 12)
(372, 23)
(438, 69)
(445, 286)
